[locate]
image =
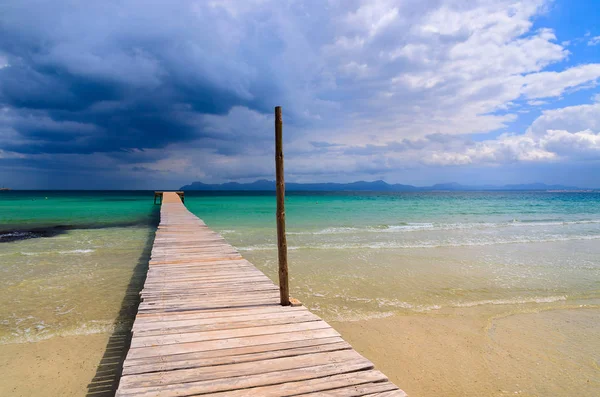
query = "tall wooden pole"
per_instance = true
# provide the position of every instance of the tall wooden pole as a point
(284, 289)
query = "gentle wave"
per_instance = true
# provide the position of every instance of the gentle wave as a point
(349, 317)
(382, 302)
(385, 303)
(389, 307)
(80, 251)
(37, 334)
(16, 235)
(411, 227)
(514, 301)
(425, 244)
(68, 252)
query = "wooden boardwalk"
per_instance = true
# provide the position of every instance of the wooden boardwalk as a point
(210, 323)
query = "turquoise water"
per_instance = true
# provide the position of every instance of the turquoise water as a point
(24, 210)
(371, 220)
(310, 213)
(67, 258)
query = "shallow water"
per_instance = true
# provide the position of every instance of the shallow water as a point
(362, 255)
(74, 281)
(500, 273)
(72, 284)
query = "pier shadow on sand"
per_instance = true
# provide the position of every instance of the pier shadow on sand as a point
(108, 373)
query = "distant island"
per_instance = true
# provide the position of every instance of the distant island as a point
(376, 186)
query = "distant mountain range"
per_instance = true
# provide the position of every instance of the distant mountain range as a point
(376, 186)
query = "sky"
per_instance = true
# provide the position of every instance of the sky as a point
(156, 94)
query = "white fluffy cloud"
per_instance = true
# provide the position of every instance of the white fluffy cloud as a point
(571, 133)
(553, 84)
(594, 41)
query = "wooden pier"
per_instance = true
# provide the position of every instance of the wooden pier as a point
(210, 323)
(160, 195)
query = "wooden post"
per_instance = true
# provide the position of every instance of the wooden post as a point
(284, 289)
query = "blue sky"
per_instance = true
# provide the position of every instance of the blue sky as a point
(149, 94)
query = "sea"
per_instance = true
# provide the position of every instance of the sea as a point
(72, 262)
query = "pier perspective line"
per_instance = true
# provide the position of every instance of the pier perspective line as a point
(210, 323)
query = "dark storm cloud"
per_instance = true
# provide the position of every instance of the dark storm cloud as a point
(121, 71)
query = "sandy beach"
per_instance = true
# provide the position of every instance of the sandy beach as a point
(60, 366)
(484, 352)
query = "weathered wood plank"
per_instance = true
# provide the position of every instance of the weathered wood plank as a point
(217, 313)
(242, 369)
(155, 366)
(393, 393)
(220, 324)
(219, 344)
(238, 351)
(311, 385)
(146, 341)
(243, 382)
(149, 308)
(356, 390)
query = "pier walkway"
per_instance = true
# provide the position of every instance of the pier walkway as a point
(210, 323)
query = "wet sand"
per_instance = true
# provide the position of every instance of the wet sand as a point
(485, 352)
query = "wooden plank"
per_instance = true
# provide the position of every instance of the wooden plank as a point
(356, 390)
(219, 344)
(244, 382)
(202, 361)
(202, 267)
(298, 388)
(221, 297)
(242, 369)
(238, 351)
(393, 393)
(240, 318)
(155, 284)
(190, 259)
(155, 308)
(200, 278)
(146, 341)
(254, 310)
(200, 326)
(209, 291)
